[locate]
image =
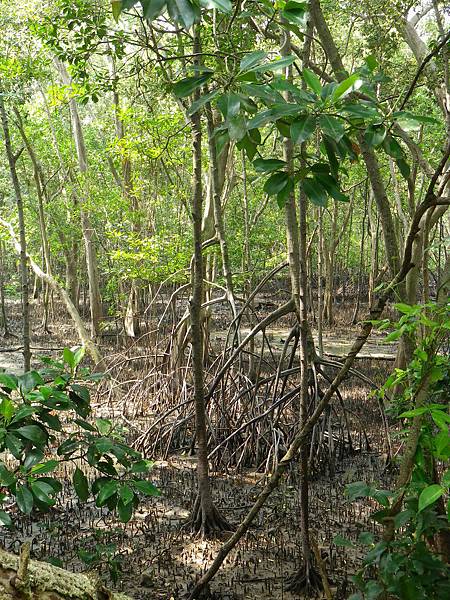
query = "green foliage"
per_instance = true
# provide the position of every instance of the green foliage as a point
(408, 567)
(50, 409)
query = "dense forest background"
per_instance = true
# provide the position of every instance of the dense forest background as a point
(238, 213)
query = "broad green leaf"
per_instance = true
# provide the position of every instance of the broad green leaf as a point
(78, 355)
(273, 65)
(366, 537)
(331, 186)
(142, 466)
(104, 426)
(183, 12)
(403, 167)
(358, 489)
(33, 433)
(283, 195)
(252, 60)
(237, 128)
(5, 519)
(315, 192)
(392, 147)
(81, 484)
(359, 110)
(248, 145)
(268, 165)
(429, 495)
(446, 479)
(9, 382)
(312, 81)
(126, 494)
(107, 490)
(146, 487)
(229, 105)
(69, 357)
(414, 413)
(341, 541)
(303, 128)
(24, 499)
(410, 122)
(296, 13)
(276, 183)
(42, 491)
(200, 103)
(33, 457)
(224, 6)
(6, 409)
(345, 87)
(124, 510)
(7, 478)
(152, 8)
(371, 62)
(29, 381)
(332, 127)
(374, 135)
(46, 467)
(186, 86)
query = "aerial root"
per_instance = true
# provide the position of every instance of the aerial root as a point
(207, 523)
(306, 581)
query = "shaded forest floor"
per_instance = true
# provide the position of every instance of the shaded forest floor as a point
(159, 560)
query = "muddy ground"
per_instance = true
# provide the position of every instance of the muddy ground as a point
(159, 559)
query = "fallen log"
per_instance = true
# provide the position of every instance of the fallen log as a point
(25, 579)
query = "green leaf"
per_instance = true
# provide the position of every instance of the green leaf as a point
(341, 541)
(29, 381)
(9, 382)
(252, 60)
(200, 103)
(14, 445)
(403, 167)
(153, 8)
(6, 409)
(414, 413)
(124, 510)
(312, 81)
(5, 519)
(81, 484)
(268, 165)
(229, 105)
(33, 433)
(24, 499)
(303, 128)
(183, 12)
(46, 467)
(446, 479)
(42, 491)
(296, 13)
(358, 489)
(392, 147)
(69, 357)
(104, 426)
(224, 6)
(142, 466)
(146, 487)
(429, 496)
(276, 183)
(366, 537)
(345, 87)
(359, 110)
(331, 186)
(237, 128)
(315, 192)
(371, 62)
(374, 135)
(330, 149)
(7, 478)
(283, 195)
(33, 457)
(186, 86)
(107, 490)
(273, 65)
(126, 494)
(410, 122)
(332, 127)
(78, 355)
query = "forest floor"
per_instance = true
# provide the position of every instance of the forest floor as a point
(160, 559)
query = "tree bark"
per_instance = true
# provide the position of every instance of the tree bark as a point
(12, 159)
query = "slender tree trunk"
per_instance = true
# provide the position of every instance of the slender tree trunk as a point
(86, 226)
(38, 179)
(12, 159)
(205, 518)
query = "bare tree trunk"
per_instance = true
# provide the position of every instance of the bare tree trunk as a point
(88, 231)
(38, 179)
(205, 517)
(12, 159)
